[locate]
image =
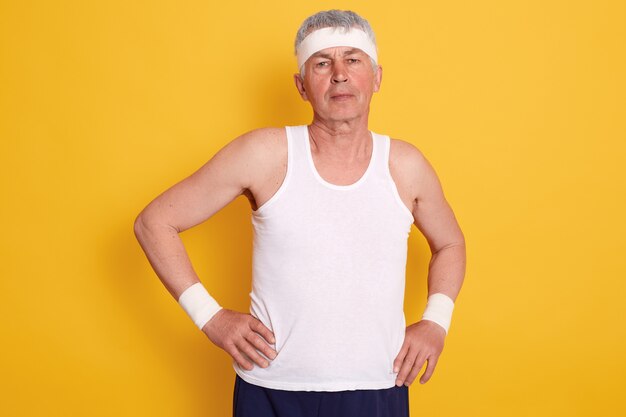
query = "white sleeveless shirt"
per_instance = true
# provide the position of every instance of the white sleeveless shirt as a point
(328, 275)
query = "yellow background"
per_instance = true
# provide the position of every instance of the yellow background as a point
(519, 105)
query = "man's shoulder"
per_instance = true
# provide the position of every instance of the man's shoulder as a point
(266, 138)
(410, 168)
(258, 146)
(259, 155)
(404, 155)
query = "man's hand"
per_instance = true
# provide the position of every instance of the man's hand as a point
(423, 342)
(239, 335)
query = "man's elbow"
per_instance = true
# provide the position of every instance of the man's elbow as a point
(461, 240)
(457, 243)
(139, 227)
(460, 243)
(148, 223)
(144, 222)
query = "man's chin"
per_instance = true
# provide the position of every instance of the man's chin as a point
(345, 114)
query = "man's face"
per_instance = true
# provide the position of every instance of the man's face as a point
(339, 83)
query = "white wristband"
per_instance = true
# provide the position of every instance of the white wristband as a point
(439, 310)
(198, 304)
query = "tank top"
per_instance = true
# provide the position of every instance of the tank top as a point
(328, 275)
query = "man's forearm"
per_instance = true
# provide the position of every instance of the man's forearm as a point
(447, 270)
(167, 255)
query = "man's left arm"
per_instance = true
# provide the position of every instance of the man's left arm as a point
(434, 217)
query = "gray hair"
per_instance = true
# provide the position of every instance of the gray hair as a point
(345, 19)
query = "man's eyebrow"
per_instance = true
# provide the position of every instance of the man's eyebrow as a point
(328, 56)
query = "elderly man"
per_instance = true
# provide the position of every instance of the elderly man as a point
(332, 207)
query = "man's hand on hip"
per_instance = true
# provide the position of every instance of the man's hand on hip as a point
(242, 336)
(423, 342)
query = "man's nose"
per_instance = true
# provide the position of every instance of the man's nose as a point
(339, 73)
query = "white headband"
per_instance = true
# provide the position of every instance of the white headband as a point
(332, 37)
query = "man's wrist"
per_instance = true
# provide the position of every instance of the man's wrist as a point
(439, 309)
(198, 304)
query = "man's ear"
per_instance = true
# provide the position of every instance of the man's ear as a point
(378, 78)
(300, 86)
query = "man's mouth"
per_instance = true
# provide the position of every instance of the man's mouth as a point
(341, 97)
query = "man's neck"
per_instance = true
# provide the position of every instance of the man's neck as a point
(346, 139)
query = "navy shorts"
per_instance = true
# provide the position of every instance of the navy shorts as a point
(254, 401)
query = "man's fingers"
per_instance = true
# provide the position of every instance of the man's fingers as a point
(420, 344)
(261, 345)
(241, 360)
(260, 328)
(397, 363)
(430, 368)
(252, 353)
(407, 365)
(417, 366)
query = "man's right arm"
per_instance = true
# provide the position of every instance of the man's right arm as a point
(190, 202)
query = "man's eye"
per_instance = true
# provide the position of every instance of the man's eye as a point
(322, 64)
(353, 60)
